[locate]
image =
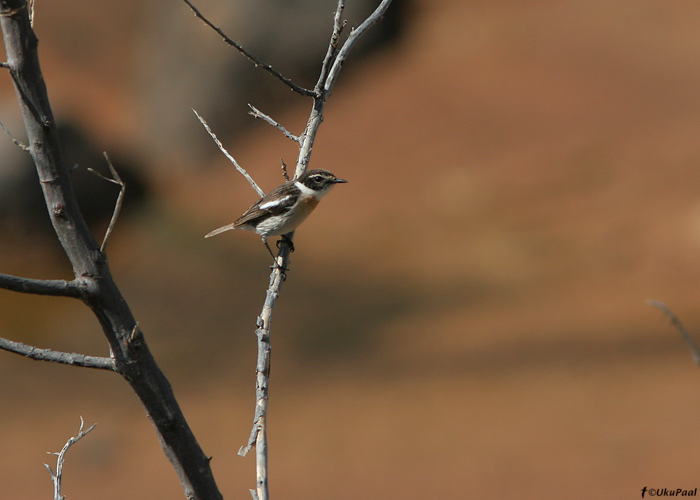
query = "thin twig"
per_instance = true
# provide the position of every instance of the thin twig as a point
(57, 477)
(257, 62)
(695, 351)
(338, 25)
(355, 34)
(115, 179)
(284, 170)
(64, 358)
(60, 288)
(231, 158)
(255, 112)
(21, 145)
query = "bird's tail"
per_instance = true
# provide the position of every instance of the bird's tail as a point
(220, 230)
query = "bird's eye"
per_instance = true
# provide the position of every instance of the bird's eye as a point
(317, 178)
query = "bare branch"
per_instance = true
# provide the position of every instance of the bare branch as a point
(134, 361)
(64, 358)
(115, 179)
(57, 477)
(256, 62)
(695, 351)
(255, 112)
(355, 35)
(21, 145)
(284, 170)
(330, 69)
(231, 158)
(338, 25)
(59, 288)
(258, 436)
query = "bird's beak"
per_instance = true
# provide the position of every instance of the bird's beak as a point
(339, 181)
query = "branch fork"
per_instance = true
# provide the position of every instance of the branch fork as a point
(57, 477)
(93, 283)
(330, 69)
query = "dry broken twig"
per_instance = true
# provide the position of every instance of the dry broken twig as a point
(57, 477)
(231, 158)
(256, 113)
(257, 62)
(115, 179)
(16, 142)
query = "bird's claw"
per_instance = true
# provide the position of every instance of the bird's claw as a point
(289, 242)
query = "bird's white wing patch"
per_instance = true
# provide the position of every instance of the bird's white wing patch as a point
(275, 203)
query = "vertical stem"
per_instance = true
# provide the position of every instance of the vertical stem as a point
(263, 375)
(261, 458)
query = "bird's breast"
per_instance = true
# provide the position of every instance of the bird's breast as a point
(289, 221)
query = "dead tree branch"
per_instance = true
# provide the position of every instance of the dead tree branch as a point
(64, 358)
(243, 171)
(17, 143)
(330, 69)
(257, 62)
(115, 179)
(256, 113)
(57, 477)
(284, 170)
(355, 34)
(93, 282)
(60, 288)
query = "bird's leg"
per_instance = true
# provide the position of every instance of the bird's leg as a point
(288, 241)
(274, 259)
(269, 250)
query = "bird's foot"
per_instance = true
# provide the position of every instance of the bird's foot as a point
(288, 241)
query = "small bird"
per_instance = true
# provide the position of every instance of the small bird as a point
(282, 210)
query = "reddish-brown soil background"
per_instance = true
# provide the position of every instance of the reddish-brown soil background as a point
(465, 319)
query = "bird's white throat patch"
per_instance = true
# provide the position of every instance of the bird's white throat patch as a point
(307, 191)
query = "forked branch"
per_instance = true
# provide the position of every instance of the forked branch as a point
(57, 477)
(330, 69)
(354, 36)
(115, 179)
(93, 280)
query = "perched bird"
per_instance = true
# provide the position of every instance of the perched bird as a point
(282, 210)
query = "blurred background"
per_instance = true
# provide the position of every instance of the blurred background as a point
(465, 318)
